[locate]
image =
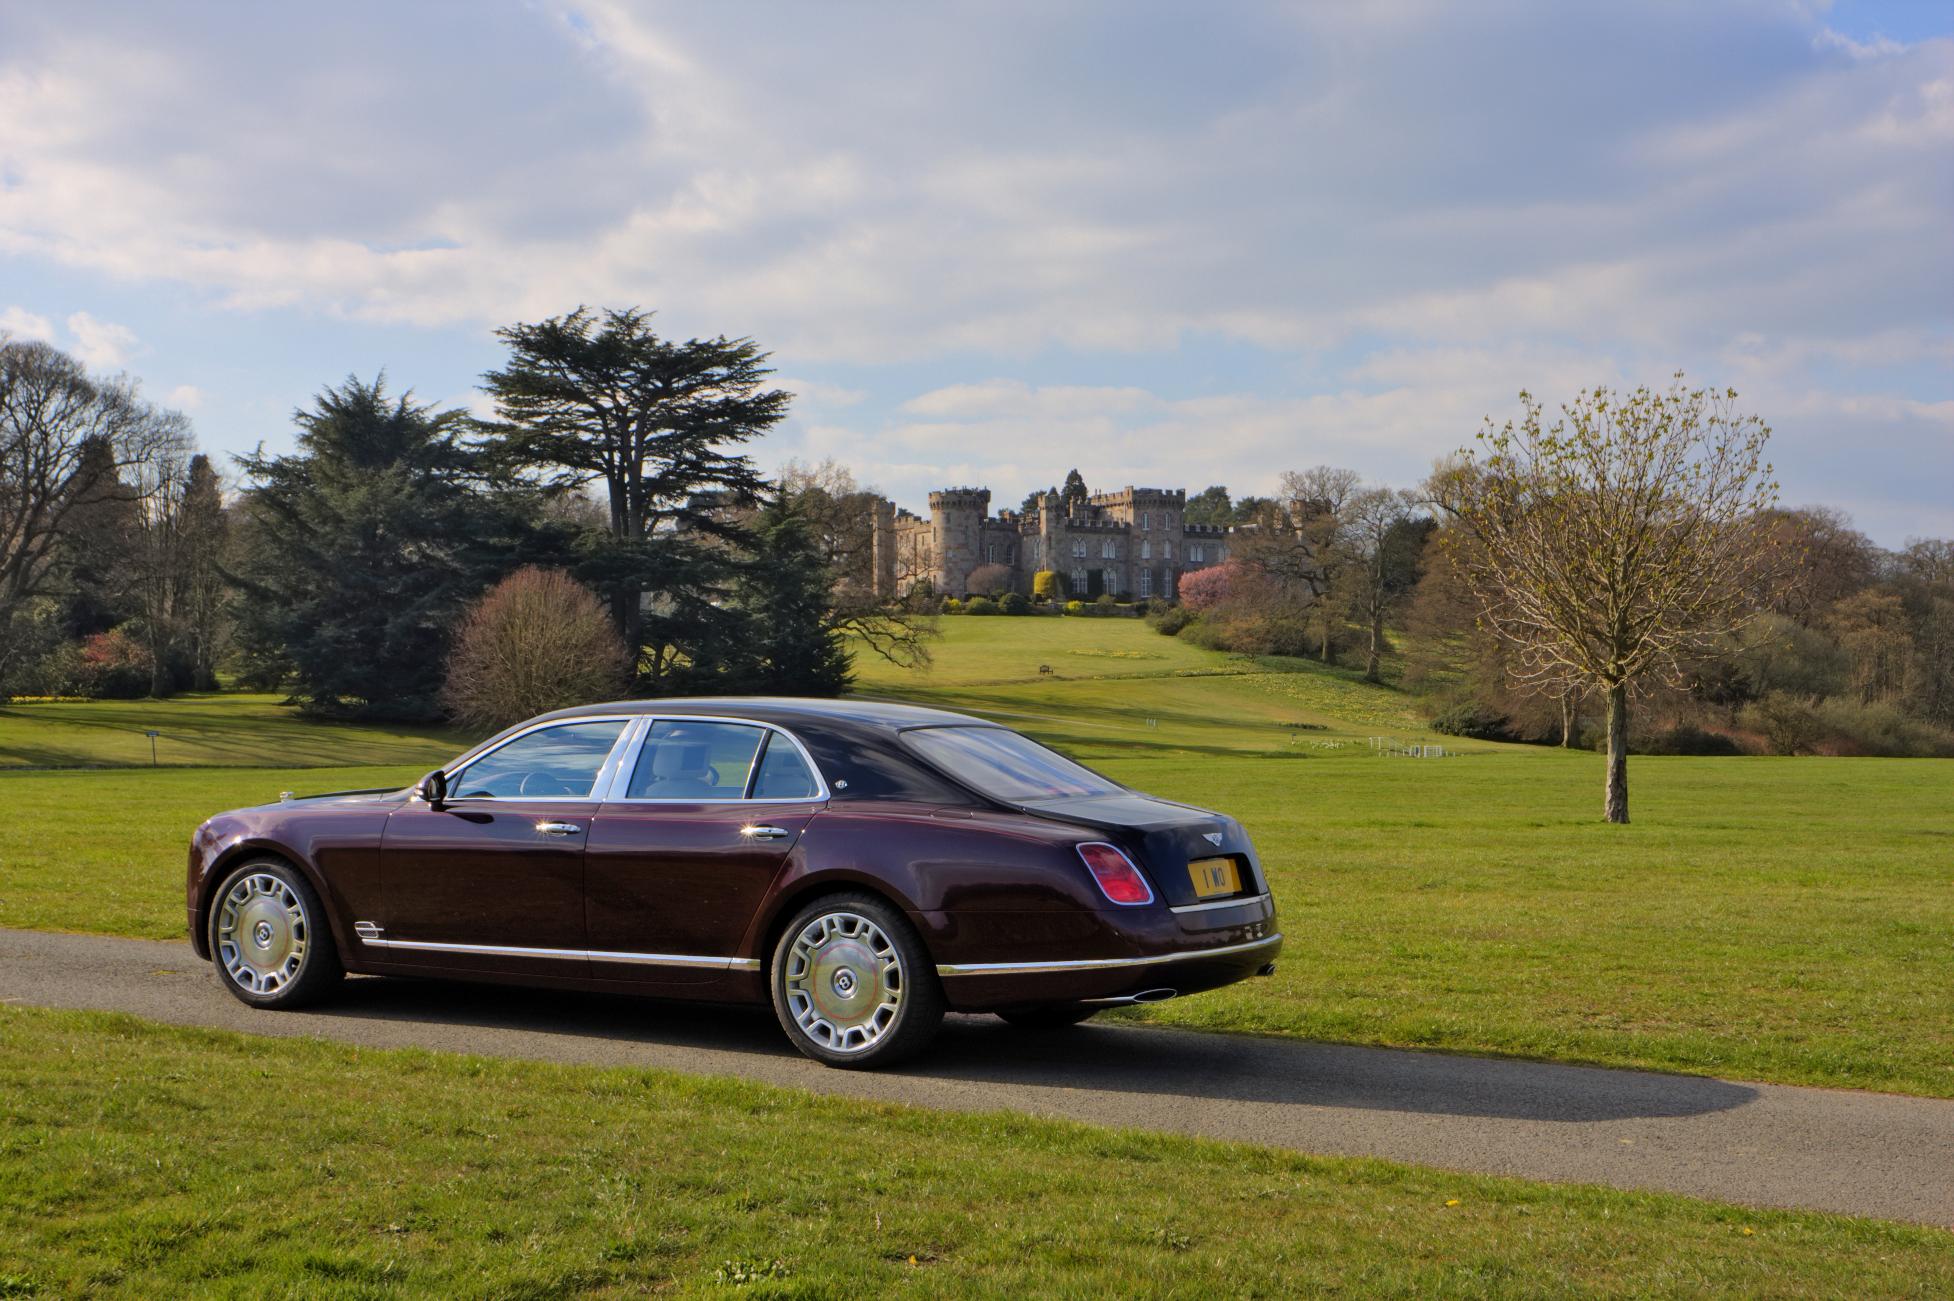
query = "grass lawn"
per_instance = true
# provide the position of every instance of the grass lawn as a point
(145, 1160)
(232, 730)
(1773, 919)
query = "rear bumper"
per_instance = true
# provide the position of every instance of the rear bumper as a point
(1106, 957)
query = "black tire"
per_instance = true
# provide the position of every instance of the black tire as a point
(817, 974)
(270, 943)
(1052, 1016)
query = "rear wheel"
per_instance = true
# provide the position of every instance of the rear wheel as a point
(268, 937)
(853, 985)
(1052, 1016)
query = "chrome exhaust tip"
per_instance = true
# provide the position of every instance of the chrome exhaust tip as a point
(1267, 969)
(1155, 995)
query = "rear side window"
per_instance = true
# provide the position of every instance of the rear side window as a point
(783, 775)
(684, 760)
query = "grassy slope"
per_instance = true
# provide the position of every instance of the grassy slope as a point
(227, 730)
(152, 1161)
(1780, 919)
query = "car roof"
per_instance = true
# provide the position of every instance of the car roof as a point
(878, 715)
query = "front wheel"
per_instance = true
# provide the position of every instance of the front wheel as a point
(268, 937)
(853, 985)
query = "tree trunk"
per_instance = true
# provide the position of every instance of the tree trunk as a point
(1371, 662)
(1617, 788)
(1567, 720)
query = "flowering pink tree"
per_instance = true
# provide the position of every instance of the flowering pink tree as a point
(1204, 589)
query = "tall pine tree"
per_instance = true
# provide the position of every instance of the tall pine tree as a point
(601, 398)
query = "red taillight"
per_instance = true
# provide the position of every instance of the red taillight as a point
(1118, 879)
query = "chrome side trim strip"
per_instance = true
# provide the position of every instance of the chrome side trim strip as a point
(1220, 903)
(575, 955)
(1097, 964)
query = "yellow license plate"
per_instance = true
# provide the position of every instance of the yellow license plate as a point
(1214, 876)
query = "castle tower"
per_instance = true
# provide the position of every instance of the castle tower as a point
(882, 548)
(956, 536)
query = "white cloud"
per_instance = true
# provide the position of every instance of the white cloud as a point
(184, 397)
(20, 323)
(100, 345)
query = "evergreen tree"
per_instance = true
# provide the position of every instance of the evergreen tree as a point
(600, 398)
(361, 549)
(1211, 505)
(791, 640)
(1074, 492)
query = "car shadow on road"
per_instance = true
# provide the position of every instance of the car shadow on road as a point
(1125, 1059)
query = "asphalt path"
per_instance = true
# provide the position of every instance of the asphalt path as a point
(1761, 1144)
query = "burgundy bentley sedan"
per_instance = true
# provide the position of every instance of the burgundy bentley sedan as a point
(862, 867)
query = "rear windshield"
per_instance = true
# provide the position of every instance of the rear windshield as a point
(1004, 765)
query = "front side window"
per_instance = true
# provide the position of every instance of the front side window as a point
(559, 762)
(1005, 765)
(686, 760)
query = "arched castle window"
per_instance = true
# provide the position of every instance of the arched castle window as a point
(1195, 553)
(1106, 551)
(1079, 549)
(1146, 582)
(1146, 551)
(1146, 520)
(1167, 550)
(1079, 582)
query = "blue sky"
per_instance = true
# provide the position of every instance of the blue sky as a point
(1172, 244)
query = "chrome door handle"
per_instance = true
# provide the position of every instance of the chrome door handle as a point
(559, 828)
(765, 833)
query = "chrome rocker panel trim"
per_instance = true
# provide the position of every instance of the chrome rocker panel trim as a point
(1098, 964)
(574, 955)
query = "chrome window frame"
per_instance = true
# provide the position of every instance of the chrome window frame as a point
(620, 779)
(606, 771)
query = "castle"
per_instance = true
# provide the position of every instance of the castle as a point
(1131, 543)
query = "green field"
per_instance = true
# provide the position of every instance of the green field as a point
(233, 730)
(1773, 919)
(144, 1160)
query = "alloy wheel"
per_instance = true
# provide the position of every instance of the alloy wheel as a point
(262, 933)
(843, 982)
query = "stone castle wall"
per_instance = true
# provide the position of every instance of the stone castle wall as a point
(1134, 542)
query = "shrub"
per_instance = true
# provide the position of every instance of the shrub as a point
(1788, 723)
(1047, 585)
(980, 605)
(537, 641)
(114, 666)
(1204, 589)
(1014, 603)
(990, 580)
(1849, 727)
(951, 605)
(1169, 621)
(1472, 719)
(1075, 607)
(1688, 738)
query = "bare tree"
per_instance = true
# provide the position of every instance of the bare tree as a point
(1378, 539)
(539, 640)
(1617, 543)
(66, 440)
(205, 593)
(840, 515)
(1316, 501)
(162, 485)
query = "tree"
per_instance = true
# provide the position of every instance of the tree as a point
(1048, 585)
(162, 484)
(600, 398)
(1073, 495)
(538, 640)
(1315, 500)
(989, 580)
(839, 516)
(204, 594)
(792, 642)
(1204, 589)
(1209, 506)
(1615, 544)
(1381, 540)
(360, 550)
(66, 440)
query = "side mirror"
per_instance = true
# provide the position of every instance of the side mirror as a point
(433, 788)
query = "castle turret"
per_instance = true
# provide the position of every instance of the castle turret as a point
(956, 534)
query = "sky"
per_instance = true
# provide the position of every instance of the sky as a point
(1168, 244)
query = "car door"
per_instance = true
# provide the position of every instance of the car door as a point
(492, 879)
(680, 858)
